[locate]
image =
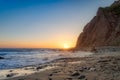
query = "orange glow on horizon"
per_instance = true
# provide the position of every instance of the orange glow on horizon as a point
(59, 41)
(61, 45)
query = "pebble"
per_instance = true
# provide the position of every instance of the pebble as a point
(81, 77)
(11, 71)
(50, 74)
(40, 67)
(10, 75)
(50, 79)
(81, 70)
(92, 69)
(75, 74)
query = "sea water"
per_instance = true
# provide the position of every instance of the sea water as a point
(16, 58)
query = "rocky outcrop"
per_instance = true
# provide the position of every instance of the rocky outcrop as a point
(1, 57)
(102, 30)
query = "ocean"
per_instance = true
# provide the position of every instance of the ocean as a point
(17, 58)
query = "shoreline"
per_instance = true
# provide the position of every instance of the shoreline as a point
(32, 69)
(19, 61)
(93, 67)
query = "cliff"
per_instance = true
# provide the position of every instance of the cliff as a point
(102, 30)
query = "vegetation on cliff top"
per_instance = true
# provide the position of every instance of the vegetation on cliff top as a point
(113, 8)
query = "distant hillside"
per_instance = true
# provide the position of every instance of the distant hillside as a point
(102, 30)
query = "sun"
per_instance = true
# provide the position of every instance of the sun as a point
(66, 46)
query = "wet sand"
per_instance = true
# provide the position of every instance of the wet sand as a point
(94, 67)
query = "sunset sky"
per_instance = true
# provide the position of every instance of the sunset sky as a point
(45, 23)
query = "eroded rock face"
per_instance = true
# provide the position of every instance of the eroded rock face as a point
(102, 30)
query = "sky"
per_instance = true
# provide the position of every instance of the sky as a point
(45, 23)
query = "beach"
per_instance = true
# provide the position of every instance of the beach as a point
(60, 40)
(35, 61)
(97, 66)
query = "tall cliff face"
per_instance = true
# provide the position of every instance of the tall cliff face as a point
(103, 29)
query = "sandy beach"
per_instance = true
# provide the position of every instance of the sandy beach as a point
(99, 66)
(59, 39)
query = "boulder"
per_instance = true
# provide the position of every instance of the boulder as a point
(75, 74)
(1, 57)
